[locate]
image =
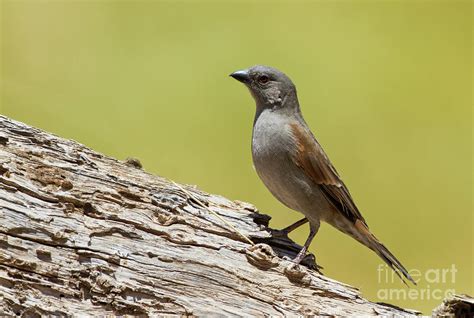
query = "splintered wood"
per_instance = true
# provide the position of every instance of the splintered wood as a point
(81, 233)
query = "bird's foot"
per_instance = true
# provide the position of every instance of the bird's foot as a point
(309, 261)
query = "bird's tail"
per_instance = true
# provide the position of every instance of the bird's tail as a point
(368, 239)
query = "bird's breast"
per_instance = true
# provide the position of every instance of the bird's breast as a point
(272, 146)
(271, 140)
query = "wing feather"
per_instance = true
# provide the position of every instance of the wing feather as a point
(311, 158)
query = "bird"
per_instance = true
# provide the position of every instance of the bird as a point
(294, 167)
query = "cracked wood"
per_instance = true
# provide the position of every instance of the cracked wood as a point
(82, 233)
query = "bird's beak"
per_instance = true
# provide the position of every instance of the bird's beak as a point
(241, 76)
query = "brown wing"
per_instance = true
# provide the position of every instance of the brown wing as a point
(311, 158)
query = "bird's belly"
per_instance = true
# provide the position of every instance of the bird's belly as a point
(292, 189)
(286, 181)
(286, 188)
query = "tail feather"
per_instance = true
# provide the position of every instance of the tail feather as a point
(371, 241)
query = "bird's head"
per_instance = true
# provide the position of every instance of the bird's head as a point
(268, 86)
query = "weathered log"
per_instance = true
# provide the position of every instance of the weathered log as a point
(82, 233)
(456, 306)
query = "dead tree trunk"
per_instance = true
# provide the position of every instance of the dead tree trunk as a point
(82, 233)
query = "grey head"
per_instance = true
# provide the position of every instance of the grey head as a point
(269, 87)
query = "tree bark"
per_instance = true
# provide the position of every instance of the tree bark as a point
(82, 233)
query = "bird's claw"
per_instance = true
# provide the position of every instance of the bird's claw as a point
(310, 261)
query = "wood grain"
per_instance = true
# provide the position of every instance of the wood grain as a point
(82, 233)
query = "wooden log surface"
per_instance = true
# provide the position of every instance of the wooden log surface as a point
(82, 233)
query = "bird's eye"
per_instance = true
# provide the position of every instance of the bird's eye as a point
(263, 79)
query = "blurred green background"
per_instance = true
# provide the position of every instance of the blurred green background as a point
(385, 86)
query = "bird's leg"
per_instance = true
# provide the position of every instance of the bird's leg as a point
(313, 229)
(294, 226)
(290, 228)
